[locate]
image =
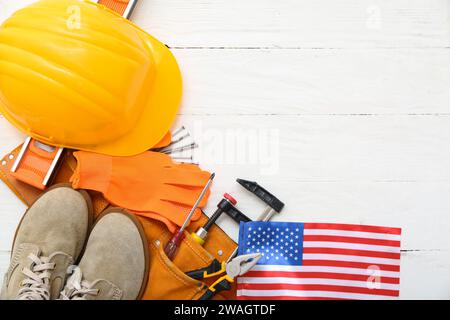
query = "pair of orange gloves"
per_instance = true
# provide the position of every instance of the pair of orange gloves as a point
(149, 184)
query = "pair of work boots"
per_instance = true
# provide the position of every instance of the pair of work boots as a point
(56, 255)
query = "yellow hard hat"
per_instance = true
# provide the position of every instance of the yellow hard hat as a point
(76, 74)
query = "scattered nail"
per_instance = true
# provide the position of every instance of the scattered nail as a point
(176, 132)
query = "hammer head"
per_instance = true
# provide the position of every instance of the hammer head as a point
(262, 193)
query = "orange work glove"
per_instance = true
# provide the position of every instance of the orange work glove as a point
(149, 184)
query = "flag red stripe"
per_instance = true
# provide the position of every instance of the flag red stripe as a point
(316, 287)
(319, 275)
(380, 242)
(285, 298)
(352, 252)
(350, 264)
(352, 227)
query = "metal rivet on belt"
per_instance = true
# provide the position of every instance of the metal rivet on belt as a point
(220, 253)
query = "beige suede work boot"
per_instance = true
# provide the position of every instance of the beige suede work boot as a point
(50, 238)
(115, 263)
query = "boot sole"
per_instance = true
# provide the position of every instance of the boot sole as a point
(90, 207)
(141, 231)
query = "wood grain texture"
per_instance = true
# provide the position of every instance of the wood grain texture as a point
(297, 24)
(315, 81)
(340, 108)
(290, 23)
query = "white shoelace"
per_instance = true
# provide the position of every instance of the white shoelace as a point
(76, 288)
(36, 285)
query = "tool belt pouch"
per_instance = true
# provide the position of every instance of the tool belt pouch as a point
(167, 279)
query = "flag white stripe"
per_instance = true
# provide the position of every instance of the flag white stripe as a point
(306, 294)
(346, 233)
(318, 281)
(345, 245)
(368, 272)
(343, 257)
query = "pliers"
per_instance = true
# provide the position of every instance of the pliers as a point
(236, 267)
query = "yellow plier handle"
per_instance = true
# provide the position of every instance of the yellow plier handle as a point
(216, 268)
(234, 268)
(222, 284)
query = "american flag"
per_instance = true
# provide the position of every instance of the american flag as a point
(320, 261)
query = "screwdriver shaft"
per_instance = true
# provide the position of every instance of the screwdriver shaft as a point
(171, 247)
(197, 202)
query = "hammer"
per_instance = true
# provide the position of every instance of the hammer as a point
(274, 205)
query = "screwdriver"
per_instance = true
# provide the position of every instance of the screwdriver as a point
(171, 247)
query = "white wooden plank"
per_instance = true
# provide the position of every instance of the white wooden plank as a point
(11, 211)
(425, 275)
(327, 148)
(315, 81)
(4, 264)
(290, 23)
(10, 137)
(9, 7)
(296, 23)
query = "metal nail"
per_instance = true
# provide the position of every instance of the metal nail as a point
(178, 131)
(190, 146)
(183, 158)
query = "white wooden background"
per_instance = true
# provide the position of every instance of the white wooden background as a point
(340, 108)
